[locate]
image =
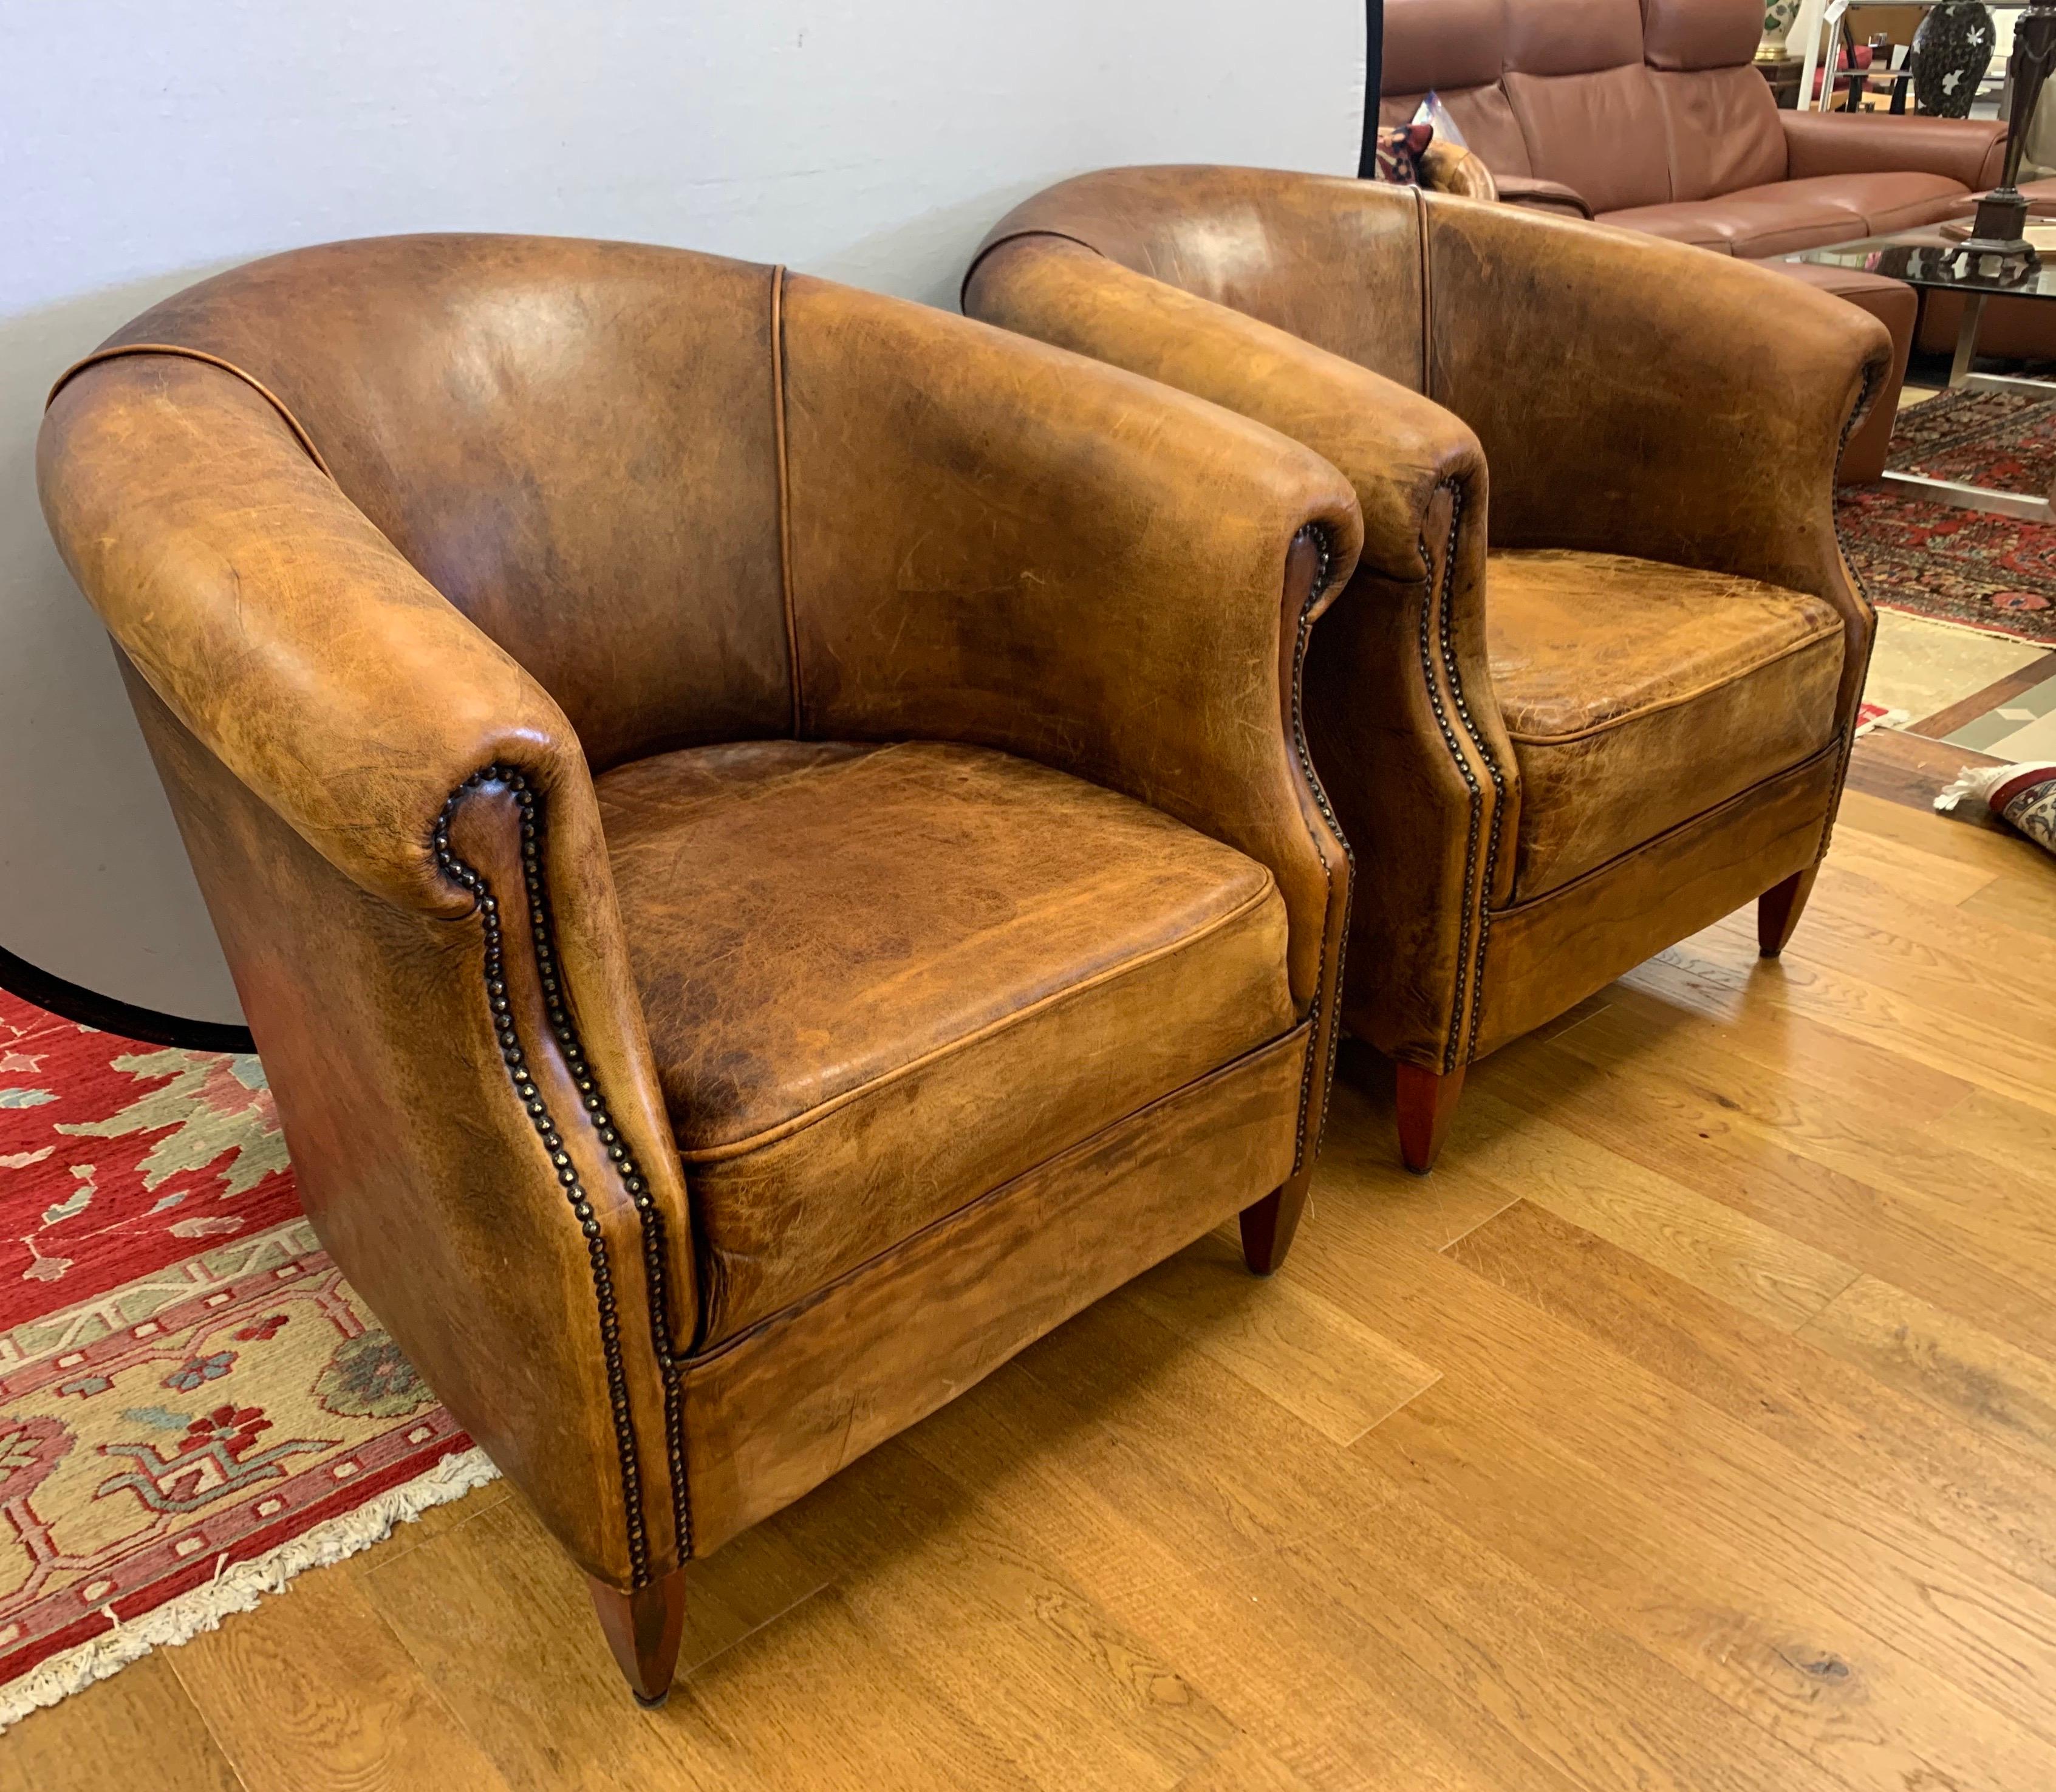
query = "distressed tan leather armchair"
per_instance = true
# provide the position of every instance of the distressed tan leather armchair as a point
(761, 831)
(1595, 682)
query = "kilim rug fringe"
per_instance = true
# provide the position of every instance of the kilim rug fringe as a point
(238, 1586)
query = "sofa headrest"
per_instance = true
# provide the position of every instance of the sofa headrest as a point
(1701, 34)
(1450, 45)
(1573, 36)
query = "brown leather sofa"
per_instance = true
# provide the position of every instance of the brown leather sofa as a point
(1648, 115)
(763, 831)
(1596, 682)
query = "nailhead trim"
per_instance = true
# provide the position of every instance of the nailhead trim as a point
(1324, 547)
(542, 942)
(1456, 752)
(1476, 738)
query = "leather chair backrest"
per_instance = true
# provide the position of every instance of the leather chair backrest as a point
(1333, 260)
(1632, 102)
(1719, 117)
(577, 443)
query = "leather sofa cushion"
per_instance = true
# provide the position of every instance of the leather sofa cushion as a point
(881, 980)
(1442, 44)
(1572, 36)
(1602, 133)
(1639, 695)
(1721, 131)
(1702, 35)
(1790, 215)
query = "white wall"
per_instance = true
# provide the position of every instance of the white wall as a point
(146, 143)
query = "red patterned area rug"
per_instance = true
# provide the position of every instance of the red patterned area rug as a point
(1993, 573)
(194, 1405)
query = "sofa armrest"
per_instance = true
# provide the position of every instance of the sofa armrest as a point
(1400, 701)
(1449, 168)
(1543, 196)
(400, 847)
(1970, 150)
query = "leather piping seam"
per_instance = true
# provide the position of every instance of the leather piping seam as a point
(813, 1297)
(1515, 910)
(1835, 632)
(251, 379)
(1323, 570)
(1873, 379)
(784, 484)
(784, 1130)
(1427, 304)
(542, 938)
(1020, 235)
(1439, 594)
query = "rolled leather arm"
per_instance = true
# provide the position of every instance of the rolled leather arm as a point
(276, 622)
(1026, 550)
(1971, 150)
(449, 1037)
(1400, 709)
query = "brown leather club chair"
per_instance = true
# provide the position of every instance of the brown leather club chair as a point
(1565, 729)
(761, 831)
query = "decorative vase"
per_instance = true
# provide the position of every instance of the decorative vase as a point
(1778, 17)
(1952, 50)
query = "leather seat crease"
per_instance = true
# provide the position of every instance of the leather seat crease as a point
(1707, 685)
(879, 979)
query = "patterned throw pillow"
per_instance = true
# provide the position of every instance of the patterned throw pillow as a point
(2023, 796)
(1400, 148)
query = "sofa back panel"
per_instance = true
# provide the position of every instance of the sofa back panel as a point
(1484, 117)
(1723, 131)
(1572, 36)
(1601, 134)
(575, 442)
(1442, 44)
(1688, 34)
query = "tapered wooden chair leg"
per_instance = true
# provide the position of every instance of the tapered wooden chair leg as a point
(1268, 1226)
(644, 1628)
(1427, 1102)
(1778, 910)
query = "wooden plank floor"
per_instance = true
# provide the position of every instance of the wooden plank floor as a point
(1693, 1427)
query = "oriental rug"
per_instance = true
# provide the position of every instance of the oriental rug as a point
(194, 1405)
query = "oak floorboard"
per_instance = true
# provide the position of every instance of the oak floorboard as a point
(1995, 1496)
(1286, 1343)
(311, 1692)
(1955, 1366)
(1833, 1687)
(1935, 876)
(1940, 1601)
(1702, 1138)
(137, 1728)
(1999, 1212)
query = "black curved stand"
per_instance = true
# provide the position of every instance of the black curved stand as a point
(1374, 68)
(73, 1002)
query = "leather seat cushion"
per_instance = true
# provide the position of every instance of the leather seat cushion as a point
(1789, 216)
(1639, 695)
(881, 980)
